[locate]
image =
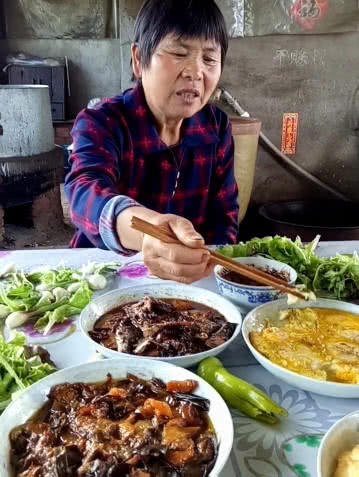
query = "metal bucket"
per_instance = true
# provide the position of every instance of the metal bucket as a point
(30, 164)
(25, 121)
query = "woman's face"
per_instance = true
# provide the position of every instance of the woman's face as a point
(182, 76)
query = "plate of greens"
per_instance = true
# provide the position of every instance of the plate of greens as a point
(328, 277)
(42, 301)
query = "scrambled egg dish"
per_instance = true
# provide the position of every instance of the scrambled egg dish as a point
(321, 343)
(348, 464)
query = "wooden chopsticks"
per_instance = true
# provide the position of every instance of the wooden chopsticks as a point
(263, 278)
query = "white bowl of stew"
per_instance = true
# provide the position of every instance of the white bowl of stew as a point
(182, 336)
(246, 293)
(84, 419)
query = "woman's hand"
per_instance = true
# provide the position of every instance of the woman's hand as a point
(185, 263)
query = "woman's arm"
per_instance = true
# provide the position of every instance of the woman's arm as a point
(92, 184)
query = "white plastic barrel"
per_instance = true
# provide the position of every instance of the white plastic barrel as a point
(245, 135)
(25, 121)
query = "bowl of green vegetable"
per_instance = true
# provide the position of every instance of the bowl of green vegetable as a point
(328, 277)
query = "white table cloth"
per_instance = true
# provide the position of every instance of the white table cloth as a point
(287, 449)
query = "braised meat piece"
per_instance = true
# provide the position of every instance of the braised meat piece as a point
(127, 428)
(166, 327)
(127, 336)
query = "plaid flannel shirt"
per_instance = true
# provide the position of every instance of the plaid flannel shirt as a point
(119, 161)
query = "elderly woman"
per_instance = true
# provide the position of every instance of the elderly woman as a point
(159, 151)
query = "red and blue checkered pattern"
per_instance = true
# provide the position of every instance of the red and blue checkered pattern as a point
(118, 152)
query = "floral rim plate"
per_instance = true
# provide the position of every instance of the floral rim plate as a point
(301, 452)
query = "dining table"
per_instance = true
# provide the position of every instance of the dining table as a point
(285, 449)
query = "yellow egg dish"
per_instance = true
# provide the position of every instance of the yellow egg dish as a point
(321, 343)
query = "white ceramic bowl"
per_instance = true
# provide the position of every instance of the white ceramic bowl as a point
(36, 395)
(250, 296)
(341, 437)
(255, 321)
(115, 298)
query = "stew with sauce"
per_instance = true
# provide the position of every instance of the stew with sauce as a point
(237, 278)
(129, 428)
(162, 327)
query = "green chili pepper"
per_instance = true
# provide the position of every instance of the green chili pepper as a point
(239, 394)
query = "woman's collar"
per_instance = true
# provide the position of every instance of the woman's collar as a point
(196, 131)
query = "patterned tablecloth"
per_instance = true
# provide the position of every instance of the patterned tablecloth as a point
(287, 449)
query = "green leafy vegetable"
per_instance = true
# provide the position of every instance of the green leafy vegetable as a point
(17, 370)
(59, 315)
(332, 277)
(4, 311)
(68, 307)
(82, 296)
(19, 298)
(52, 295)
(337, 276)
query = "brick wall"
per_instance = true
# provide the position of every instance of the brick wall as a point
(62, 133)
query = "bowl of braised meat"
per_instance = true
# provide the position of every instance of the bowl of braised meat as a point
(180, 324)
(245, 292)
(134, 418)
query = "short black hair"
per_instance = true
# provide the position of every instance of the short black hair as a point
(185, 18)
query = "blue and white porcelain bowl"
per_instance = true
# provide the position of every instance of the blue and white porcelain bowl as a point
(250, 296)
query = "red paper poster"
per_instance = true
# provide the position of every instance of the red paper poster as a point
(289, 133)
(309, 12)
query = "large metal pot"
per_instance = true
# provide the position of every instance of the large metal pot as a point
(332, 219)
(30, 164)
(26, 121)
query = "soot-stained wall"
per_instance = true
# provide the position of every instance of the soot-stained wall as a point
(315, 76)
